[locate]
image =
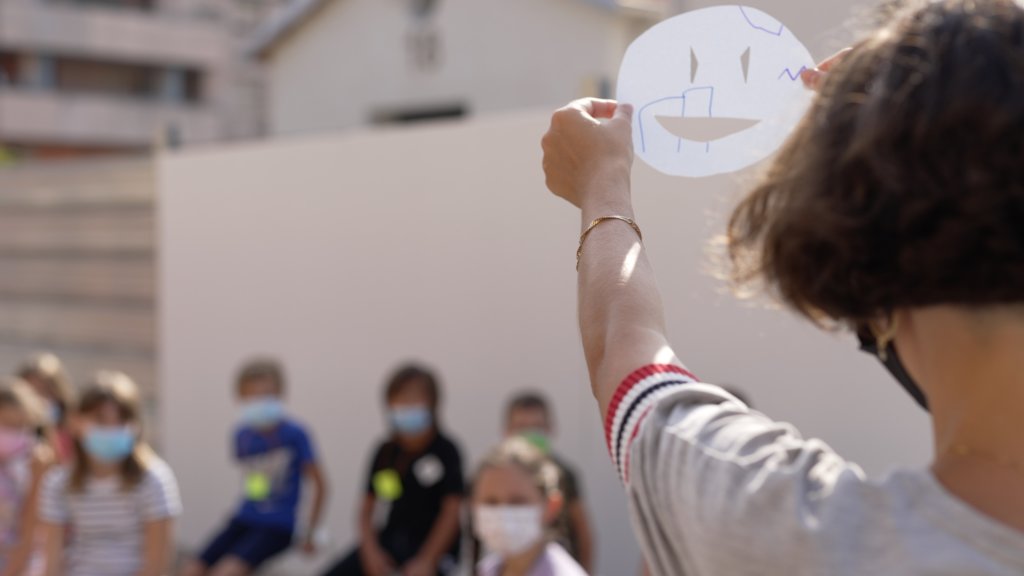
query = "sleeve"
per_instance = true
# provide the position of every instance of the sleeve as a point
(53, 498)
(705, 475)
(453, 483)
(159, 494)
(304, 452)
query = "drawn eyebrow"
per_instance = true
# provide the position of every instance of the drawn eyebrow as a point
(694, 64)
(745, 62)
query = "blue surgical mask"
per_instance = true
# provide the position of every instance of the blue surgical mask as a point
(262, 412)
(109, 444)
(411, 420)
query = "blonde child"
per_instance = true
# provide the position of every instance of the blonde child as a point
(516, 499)
(118, 499)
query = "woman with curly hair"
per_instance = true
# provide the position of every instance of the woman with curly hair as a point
(896, 210)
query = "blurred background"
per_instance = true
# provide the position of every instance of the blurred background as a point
(347, 184)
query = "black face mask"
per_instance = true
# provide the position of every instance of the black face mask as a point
(891, 361)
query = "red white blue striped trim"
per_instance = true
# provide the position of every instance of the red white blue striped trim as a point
(632, 403)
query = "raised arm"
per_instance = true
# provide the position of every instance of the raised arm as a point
(588, 155)
(29, 531)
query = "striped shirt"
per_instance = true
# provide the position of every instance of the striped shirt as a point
(717, 488)
(107, 521)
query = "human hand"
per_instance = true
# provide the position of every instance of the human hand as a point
(420, 566)
(43, 459)
(590, 141)
(376, 562)
(309, 546)
(813, 78)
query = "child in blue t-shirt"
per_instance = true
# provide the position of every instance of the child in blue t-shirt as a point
(275, 454)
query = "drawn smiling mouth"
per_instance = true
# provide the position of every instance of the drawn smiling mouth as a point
(704, 129)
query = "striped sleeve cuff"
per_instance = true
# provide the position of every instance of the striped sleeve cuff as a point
(631, 404)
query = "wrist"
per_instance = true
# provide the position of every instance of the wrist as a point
(606, 195)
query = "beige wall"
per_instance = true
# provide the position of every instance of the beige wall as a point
(347, 254)
(351, 60)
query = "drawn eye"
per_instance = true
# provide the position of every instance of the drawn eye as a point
(694, 64)
(745, 62)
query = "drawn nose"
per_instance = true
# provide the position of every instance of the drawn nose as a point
(698, 102)
(704, 129)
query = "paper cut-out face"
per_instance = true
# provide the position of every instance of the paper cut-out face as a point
(715, 90)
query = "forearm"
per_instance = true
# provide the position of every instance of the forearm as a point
(156, 548)
(22, 550)
(584, 536)
(367, 531)
(443, 533)
(18, 559)
(317, 510)
(620, 310)
(54, 548)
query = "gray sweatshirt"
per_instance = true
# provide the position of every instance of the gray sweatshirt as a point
(718, 489)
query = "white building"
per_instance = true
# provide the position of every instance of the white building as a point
(88, 76)
(344, 63)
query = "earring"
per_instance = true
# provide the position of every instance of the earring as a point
(884, 338)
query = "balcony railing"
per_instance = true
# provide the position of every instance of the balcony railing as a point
(73, 27)
(98, 120)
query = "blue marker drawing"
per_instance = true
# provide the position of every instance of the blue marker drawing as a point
(682, 97)
(792, 76)
(761, 28)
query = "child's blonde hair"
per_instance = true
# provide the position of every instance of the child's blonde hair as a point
(18, 394)
(48, 368)
(517, 452)
(109, 387)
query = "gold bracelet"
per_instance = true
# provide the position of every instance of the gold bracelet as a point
(599, 221)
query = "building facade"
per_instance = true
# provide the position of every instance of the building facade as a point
(94, 76)
(345, 63)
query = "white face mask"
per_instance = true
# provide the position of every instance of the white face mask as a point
(509, 530)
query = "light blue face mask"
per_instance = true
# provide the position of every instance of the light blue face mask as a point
(109, 444)
(262, 412)
(411, 420)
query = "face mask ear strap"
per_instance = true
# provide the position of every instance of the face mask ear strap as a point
(884, 337)
(891, 360)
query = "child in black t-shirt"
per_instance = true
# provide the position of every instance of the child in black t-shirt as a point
(416, 478)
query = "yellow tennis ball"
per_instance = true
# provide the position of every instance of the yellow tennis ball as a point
(387, 485)
(257, 486)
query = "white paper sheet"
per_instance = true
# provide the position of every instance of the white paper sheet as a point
(715, 90)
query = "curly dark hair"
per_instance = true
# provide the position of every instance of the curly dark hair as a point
(904, 184)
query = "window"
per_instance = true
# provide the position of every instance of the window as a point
(420, 114)
(138, 4)
(9, 69)
(178, 85)
(85, 76)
